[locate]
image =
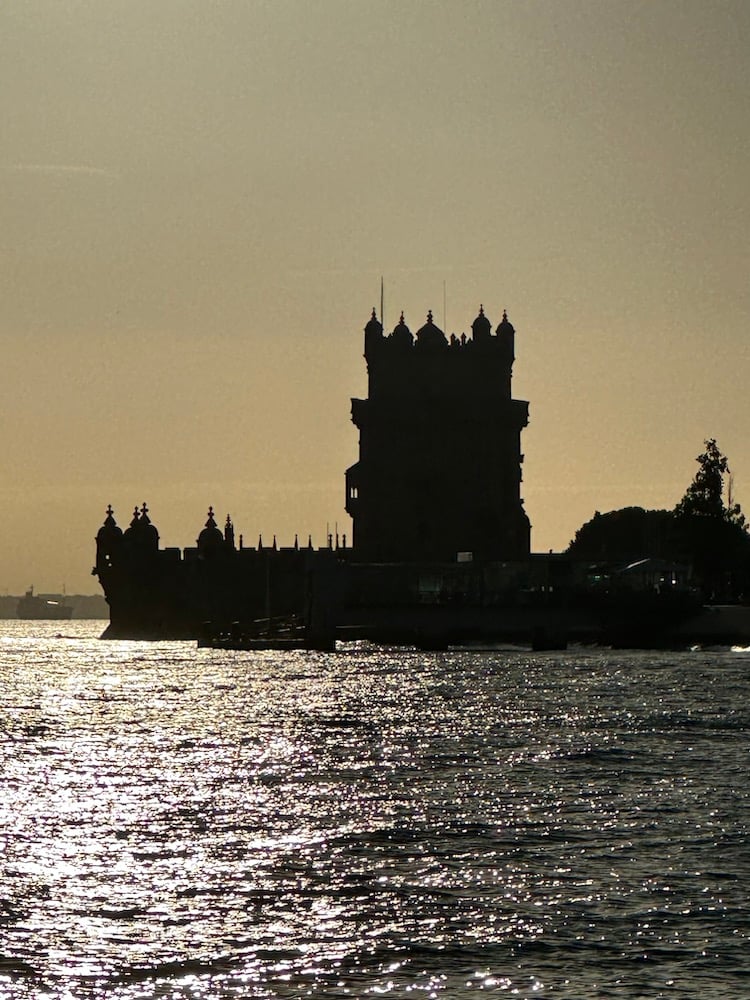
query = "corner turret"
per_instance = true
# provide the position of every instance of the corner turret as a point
(507, 337)
(108, 543)
(373, 335)
(149, 536)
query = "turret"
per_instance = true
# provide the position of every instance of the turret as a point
(141, 537)
(401, 334)
(229, 533)
(481, 328)
(507, 336)
(430, 336)
(108, 543)
(373, 335)
(210, 539)
(148, 535)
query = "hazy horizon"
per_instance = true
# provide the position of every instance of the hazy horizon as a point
(199, 201)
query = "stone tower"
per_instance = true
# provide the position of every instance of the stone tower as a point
(439, 470)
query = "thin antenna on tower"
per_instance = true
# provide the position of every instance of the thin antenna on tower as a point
(382, 303)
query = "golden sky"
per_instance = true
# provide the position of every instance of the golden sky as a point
(199, 199)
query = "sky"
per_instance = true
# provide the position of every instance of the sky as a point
(199, 198)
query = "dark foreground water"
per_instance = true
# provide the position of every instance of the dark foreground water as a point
(187, 823)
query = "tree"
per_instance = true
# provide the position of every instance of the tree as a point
(713, 534)
(704, 497)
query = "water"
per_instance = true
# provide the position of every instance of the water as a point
(191, 823)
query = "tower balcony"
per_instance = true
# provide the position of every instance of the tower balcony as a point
(359, 412)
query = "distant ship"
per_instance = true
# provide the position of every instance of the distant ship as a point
(33, 607)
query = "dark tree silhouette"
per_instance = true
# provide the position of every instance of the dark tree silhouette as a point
(713, 534)
(705, 495)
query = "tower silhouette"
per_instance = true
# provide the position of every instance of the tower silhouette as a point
(439, 468)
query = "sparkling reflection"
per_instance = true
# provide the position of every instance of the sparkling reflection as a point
(185, 823)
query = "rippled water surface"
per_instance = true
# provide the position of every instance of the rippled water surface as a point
(179, 822)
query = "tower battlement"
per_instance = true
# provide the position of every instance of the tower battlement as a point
(429, 362)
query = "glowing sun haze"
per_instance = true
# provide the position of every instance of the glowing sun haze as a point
(199, 199)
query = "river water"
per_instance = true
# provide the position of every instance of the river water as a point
(191, 823)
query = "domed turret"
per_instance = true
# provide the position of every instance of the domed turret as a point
(505, 326)
(481, 328)
(431, 335)
(141, 537)
(108, 543)
(110, 529)
(402, 334)
(146, 530)
(506, 336)
(374, 326)
(373, 334)
(211, 538)
(130, 535)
